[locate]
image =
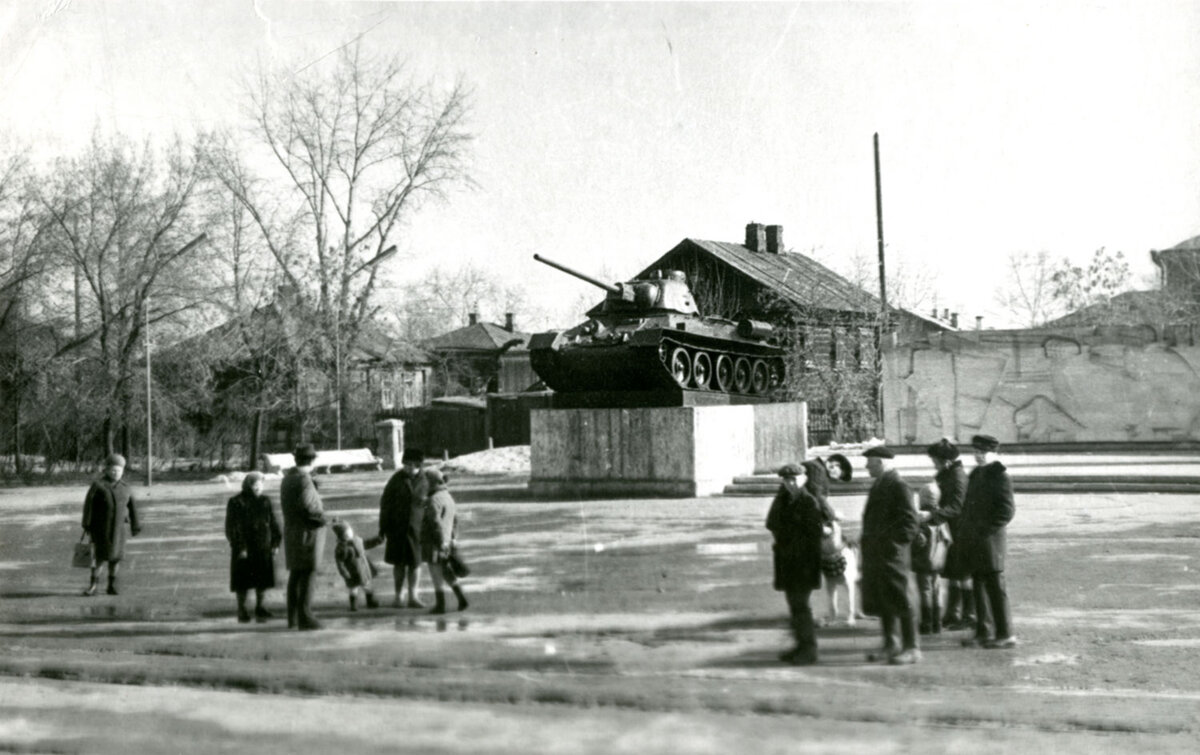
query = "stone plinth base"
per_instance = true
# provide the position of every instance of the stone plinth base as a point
(684, 452)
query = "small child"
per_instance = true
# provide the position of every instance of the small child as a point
(928, 560)
(353, 564)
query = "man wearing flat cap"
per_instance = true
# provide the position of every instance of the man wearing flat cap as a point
(987, 509)
(106, 508)
(796, 520)
(303, 536)
(889, 527)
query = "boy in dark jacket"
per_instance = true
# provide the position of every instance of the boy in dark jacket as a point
(796, 520)
(352, 563)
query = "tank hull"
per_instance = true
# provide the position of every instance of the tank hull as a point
(656, 359)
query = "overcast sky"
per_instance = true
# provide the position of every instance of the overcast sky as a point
(609, 132)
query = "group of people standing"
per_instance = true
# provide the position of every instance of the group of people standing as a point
(417, 521)
(976, 510)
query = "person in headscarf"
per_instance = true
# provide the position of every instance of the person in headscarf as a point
(439, 526)
(254, 535)
(107, 507)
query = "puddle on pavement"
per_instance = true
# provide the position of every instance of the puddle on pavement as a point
(124, 613)
(437, 625)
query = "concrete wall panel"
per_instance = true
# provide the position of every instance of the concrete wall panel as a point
(1031, 386)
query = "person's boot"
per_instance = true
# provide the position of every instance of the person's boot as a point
(112, 584)
(371, 601)
(261, 614)
(462, 599)
(243, 614)
(439, 605)
(91, 588)
(414, 603)
(968, 608)
(353, 601)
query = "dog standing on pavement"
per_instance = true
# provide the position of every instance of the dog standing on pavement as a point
(839, 573)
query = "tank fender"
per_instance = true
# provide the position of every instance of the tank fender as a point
(543, 340)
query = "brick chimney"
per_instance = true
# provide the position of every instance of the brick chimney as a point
(774, 239)
(472, 318)
(954, 320)
(756, 237)
(509, 325)
(978, 322)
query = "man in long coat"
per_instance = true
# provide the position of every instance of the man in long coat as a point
(106, 508)
(401, 509)
(889, 527)
(796, 520)
(987, 510)
(303, 536)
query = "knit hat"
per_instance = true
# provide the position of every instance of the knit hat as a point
(114, 460)
(249, 480)
(882, 452)
(943, 450)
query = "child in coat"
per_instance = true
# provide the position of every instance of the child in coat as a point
(928, 559)
(353, 564)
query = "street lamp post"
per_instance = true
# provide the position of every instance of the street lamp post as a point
(337, 337)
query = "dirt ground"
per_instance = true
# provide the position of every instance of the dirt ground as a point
(595, 626)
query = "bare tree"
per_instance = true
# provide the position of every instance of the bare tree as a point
(352, 147)
(443, 300)
(1028, 291)
(124, 221)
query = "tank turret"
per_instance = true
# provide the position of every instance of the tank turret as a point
(648, 334)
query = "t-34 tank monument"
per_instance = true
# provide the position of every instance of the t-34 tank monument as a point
(651, 397)
(647, 344)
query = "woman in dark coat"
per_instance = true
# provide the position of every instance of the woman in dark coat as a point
(106, 508)
(951, 481)
(796, 520)
(401, 508)
(439, 526)
(254, 535)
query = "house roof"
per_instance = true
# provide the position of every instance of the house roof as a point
(802, 280)
(1129, 306)
(1191, 245)
(482, 336)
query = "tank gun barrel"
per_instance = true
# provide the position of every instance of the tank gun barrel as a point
(581, 276)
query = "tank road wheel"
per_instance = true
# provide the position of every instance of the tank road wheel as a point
(701, 369)
(741, 375)
(760, 377)
(777, 373)
(681, 366)
(723, 373)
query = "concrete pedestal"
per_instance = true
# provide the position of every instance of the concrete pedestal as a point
(682, 452)
(389, 435)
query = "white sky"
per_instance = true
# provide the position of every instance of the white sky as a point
(609, 132)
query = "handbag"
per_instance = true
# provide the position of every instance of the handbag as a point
(81, 556)
(455, 563)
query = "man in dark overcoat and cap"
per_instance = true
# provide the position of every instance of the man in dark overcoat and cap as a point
(401, 510)
(987, 509)
(796, 520)
(951, 481)
(106, 508)
(303, 536)
(889, 527)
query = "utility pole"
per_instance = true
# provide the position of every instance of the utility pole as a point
(149, 419)
(883, 306)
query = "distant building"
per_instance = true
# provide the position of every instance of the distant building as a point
(481, 358)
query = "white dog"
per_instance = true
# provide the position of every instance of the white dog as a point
(839, 572)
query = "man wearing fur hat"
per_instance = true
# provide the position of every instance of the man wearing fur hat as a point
(107, 507)
(889, 527)
(987, 510)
